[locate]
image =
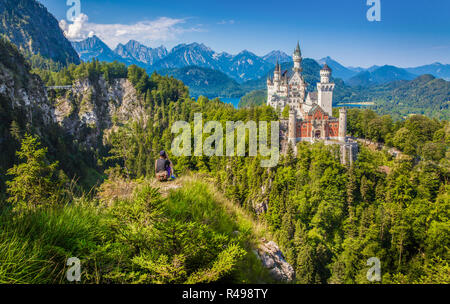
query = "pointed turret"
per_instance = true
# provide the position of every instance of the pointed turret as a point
(297, 50)
(277, 74)
(278, 67)
(297, 57)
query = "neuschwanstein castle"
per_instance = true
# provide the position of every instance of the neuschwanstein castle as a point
(310, 116)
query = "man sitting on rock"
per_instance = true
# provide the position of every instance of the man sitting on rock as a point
(164, 167)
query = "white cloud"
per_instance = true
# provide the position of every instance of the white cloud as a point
(77, 29)
(161, 29)
(227, 22)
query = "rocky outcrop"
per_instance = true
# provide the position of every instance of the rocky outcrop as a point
(260, 201)
(85, 110)
(90, 108)
(273, 259)
(26, 93)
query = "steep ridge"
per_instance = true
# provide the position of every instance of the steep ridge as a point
(22, 22)
(94, 48)
(134, 50)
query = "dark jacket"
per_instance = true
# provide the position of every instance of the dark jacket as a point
(162, 165)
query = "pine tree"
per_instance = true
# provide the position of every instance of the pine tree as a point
(35, 181)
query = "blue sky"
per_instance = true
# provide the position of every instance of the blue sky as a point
(410, 33)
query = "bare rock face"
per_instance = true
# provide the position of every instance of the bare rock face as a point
(26, 92)
(89, 109)
(260, 207)
(273, 259)
(260, 201)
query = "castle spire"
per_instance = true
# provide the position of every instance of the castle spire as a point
(278, 67)
(297, 51)
(297, 57)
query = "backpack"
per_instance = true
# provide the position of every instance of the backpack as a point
(162, 176)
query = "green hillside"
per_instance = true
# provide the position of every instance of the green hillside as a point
(205, 82)
(29, 25)
(424, 95)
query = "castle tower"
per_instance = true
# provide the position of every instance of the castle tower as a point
(277, 75)
(325, 90)
(292, 132)
(297, 57)
(342, 124)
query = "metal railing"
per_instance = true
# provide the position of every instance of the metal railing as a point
(59, 87)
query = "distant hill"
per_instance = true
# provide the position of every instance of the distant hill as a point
(339, 70)
(356, 69)
(425, 94)
(28, 25)
(253, 98)
(275, 56)
(436, 69)
(380, 75)
(206, 82)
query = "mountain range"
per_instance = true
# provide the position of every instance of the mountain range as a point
(134, 50)
(243, 67)
(379, 75)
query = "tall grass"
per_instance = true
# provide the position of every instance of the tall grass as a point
(195, 203)
(201, 202)
(34, 246)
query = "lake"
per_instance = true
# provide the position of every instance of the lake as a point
(356, 104)
(233, 101)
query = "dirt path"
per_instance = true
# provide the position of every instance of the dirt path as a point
(165, 187)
